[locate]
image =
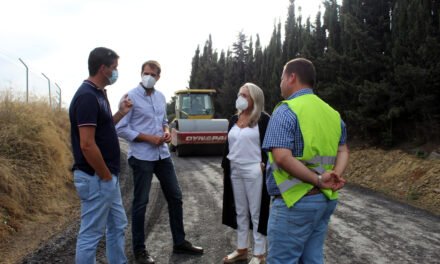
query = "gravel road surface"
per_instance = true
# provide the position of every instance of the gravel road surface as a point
(366, 228)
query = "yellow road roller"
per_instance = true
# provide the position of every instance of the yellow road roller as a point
(194, 131)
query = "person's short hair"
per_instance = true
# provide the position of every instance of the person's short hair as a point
(303, 69)
(153, 65)
(101, 56)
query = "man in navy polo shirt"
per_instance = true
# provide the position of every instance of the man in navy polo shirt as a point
(96, 168)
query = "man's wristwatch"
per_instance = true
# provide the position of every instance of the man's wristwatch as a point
(319, 180)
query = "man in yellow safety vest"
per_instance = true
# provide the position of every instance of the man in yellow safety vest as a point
(306, 145)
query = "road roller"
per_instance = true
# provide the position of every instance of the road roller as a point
(195, 131)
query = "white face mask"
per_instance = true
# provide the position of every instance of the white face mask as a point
(148, 81)
(241, 103)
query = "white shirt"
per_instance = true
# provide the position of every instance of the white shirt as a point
(244, 144)
(148, 116)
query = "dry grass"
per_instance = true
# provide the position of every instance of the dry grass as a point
(35, 157)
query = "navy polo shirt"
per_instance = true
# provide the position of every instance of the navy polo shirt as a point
(90, 107)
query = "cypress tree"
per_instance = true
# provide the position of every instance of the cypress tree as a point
(331, 24)
(272, 69)
(319, 36)
(258, 58)
(415, 56)
(290, 45)
(249, 71)
(193, 81)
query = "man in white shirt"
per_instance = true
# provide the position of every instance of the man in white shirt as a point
(146, 129)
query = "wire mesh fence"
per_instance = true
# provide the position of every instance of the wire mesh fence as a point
(26, 84)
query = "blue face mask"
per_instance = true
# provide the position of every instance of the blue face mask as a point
(113, 78)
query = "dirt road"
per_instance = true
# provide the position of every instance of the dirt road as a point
(366, 228)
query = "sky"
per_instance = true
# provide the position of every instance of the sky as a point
(56, 36)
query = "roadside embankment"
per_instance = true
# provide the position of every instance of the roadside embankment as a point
(398, 175)
(36, 190)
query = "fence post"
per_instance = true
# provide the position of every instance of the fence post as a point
(27, 80)
(50, 96)
(59, 94)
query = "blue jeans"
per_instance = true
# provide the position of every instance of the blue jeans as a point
(297, 234)
(142, 176)
(101, 212)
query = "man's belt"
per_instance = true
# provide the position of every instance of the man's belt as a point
(313, 191)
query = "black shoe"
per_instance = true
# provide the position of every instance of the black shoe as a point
(187, 248)
(142, 257)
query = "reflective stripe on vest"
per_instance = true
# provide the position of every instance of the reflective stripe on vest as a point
(318, 163)
(321, 130)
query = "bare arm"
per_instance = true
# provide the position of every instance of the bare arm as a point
(286, 161)
(125, 106)
(91, 152)
(117, 117)
(341, 160)
(166, 134)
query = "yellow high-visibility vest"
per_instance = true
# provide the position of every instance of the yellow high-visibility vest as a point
(321, 131)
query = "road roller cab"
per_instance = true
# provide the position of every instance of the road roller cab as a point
(194, 131)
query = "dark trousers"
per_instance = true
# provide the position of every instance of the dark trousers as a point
(142, 176)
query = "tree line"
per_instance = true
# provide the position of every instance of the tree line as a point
(377, 63)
